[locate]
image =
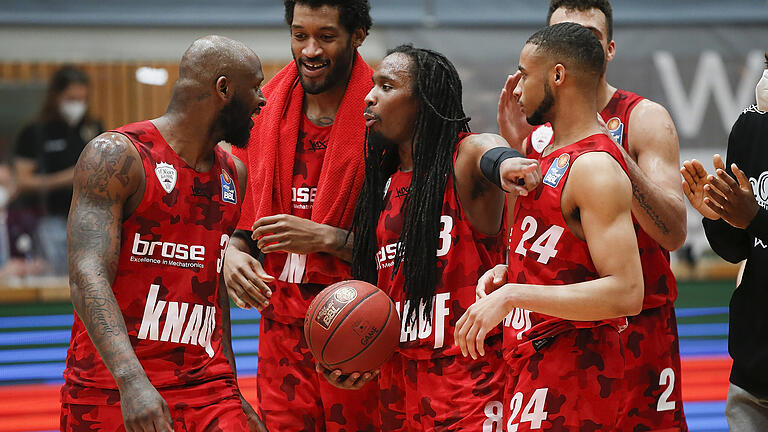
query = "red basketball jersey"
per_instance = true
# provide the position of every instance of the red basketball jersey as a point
(166, 284)
(543, 251)
(290, 299)
(660, 284)
(464, 254)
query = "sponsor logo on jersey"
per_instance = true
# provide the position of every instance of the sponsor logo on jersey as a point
(402, 191)
(193, 329)
(557, 170)
(166, 173)
(385, 256)
(303, 198)
(167, 253)
(616, 128)
(541, 137)
(228, 191)
(330, 310)
(315, 145)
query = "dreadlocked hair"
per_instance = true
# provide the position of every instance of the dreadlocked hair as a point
(440, 119)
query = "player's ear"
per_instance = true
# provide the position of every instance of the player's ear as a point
(358, 36)
(558, 74)
(223, 89)
(611, 51)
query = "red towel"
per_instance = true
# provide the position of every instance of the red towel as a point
(271, 154)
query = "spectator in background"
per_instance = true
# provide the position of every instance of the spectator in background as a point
(44, 159)
(734, 203)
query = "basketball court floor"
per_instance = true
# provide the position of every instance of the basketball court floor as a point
(34, 340)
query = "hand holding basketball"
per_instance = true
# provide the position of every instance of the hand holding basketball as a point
(351, 326)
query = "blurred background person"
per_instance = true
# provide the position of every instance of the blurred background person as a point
(43, 160)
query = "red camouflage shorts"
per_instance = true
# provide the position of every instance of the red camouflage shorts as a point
(441, 394)
(294, 397)
(652, 373)
(567, 382)
(225, 415)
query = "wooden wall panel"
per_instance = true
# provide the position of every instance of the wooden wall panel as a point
(116, 96)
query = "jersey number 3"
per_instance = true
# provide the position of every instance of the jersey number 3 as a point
(544, 245)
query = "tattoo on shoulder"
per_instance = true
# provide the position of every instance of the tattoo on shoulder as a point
(640, 197)
(94, 231)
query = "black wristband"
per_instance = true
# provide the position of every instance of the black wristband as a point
(490, 163)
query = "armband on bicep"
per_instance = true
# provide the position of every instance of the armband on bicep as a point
(490, 163)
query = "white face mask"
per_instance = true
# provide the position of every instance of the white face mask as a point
(761, 92)
(72, 111)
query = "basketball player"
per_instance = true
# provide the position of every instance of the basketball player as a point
(154, 205)
(574, 268)
(437, 229)
(306, 168)
(648, 140)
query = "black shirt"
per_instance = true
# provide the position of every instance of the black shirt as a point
(54, 146)
(748, 330)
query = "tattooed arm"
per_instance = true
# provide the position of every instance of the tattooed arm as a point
(108, 183)
(654, 168)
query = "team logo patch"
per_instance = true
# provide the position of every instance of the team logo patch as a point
(228, 191)
(616, 128)
(166, 173)
(557, 170)
(541, 137)
(330, 310)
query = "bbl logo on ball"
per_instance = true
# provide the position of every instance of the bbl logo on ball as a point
(330, 310)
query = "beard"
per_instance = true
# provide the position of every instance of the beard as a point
(337, 74)
(235, 122)
(380, 144)
(537, 118)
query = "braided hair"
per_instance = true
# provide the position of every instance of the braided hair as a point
(440, 119)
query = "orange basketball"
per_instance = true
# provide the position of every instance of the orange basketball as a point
(352, 326)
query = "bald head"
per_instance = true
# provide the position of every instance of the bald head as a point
(219, 88)
(213, 56)
(206, 61)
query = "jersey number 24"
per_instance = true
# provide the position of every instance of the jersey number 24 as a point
(544, 245)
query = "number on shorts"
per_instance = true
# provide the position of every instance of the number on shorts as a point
(533, 411)
(544, 245)
(494, 410)
(667, 377)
